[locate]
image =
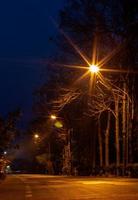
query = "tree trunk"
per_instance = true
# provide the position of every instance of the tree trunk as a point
(127, 130)
(94, 152)
(124, 128)
(117, 133)
(107, 133)
(131, 119)
(100, 143)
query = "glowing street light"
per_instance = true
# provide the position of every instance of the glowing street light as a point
(53, 117)
(94, 68)
(57, 124)
(36, 136)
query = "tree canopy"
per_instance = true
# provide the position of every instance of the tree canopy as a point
(103, 32)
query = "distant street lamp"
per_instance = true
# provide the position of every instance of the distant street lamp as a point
(53, 117)
(67, 148)
(5, 152)
(36, 136)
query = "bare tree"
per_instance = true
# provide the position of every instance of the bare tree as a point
(100, 143)
(107, 134)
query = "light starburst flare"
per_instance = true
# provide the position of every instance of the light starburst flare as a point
(94, 68)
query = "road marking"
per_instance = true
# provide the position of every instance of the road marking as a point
(28, 192)
(28, 195)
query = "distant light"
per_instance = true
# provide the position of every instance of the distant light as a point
(36, 136)
(8, 167)
(58, 124)
(53, 117)
(5, 152)
(94, 68)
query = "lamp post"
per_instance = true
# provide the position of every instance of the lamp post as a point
(94, 70)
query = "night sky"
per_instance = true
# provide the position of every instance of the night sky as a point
(25, 28)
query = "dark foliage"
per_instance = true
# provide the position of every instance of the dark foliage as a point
(113, 25)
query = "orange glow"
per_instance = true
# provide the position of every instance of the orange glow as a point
(36, 136)
(68, 66)
(94, 68)
(95, 51)
(91, 83)
(53, 117)
(104, 82)
(94, 58)
(75, 47)
(82, 77)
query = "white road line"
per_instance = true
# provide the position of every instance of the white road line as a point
(28, 195)
(28, 192)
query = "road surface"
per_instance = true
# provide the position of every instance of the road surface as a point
(42, 187)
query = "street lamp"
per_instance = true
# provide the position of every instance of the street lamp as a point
(67, 148)
(36, 136)
(53, 117)
(94, 68)
(5, 152)
(57, 123)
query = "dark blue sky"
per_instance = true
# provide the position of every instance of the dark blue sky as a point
(25, 27)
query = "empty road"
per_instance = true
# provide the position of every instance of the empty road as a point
(42, 187)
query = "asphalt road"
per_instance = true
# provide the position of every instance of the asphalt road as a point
(42, 187)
